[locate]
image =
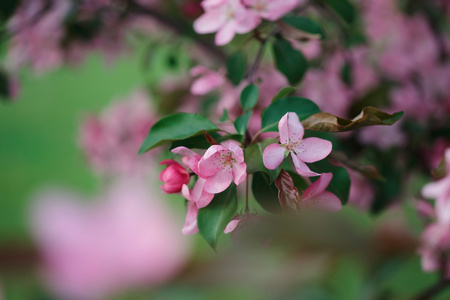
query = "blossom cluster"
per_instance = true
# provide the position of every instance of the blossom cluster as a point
(220, 165)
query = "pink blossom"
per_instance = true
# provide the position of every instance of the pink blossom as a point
(190, 158)
(362, 193)
(383, 137)
(207, 82)
(226, 17)
(220, 165)
(440, 190)
(198, 195)
(272, 9)
(174, 176)
(302, 150)
(435, 241)
(316, 198)
(190, 225)
(111, 140)
(128, 238)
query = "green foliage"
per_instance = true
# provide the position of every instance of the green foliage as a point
(253, 156)
(213, 218)
(175, 127)
(344, 9)
(266, 193)
(241, 122)
(249, 97)
(289, 61)
(275, 111)
(283, 93)
(304, 24)
(236, 67)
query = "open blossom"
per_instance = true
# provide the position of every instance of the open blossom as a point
(317, 198)
(226, 17)
(220, 165)
(302, 150)
(174, 176)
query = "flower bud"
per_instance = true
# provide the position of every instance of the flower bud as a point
(174, 176)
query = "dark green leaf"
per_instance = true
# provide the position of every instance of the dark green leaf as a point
(236, 67)
(241, 122)
(213, 218)
(304, 24)
(275, 111)
(368, 117)
(224, 116)
(175, 127)
(283, 93)
(266, 193)
(344, 9)
(198, 141)
(249, 97)
(289, 61)
(340, 184)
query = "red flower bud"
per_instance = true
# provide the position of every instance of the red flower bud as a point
(174, 176)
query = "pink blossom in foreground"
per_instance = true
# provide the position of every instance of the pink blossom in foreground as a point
(315, 197)
(198, 195)
(190, 224)
(302, 150)
(271, 10)
(226, 17)
(174, 176)
(111, 140)
(128, 238)
(220, 165)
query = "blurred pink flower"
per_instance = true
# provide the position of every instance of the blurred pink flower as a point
(174, 176)
(301, 150)
(111, 140)
(220, 165)
(127, 239)
(190, 224)
(383, 137)
(207, 81)
(362, 193)
(315, 197)
(434, 242)
(226, 17)
(271, 10)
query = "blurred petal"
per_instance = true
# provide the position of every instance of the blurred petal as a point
(190, 225)
(301, 168)
(325, 201)
(318, 186)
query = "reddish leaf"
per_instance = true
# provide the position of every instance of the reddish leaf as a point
(287, 192)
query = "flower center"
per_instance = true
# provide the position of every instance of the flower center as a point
(227, 159)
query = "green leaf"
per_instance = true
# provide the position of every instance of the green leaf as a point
(344, 9)
(289, 61)
(283, 93)
(303, 24)
(175, 127)
(266, 193)
(368, 117)
(241, 122)
(340, 183)
(253, 156)
(249, 97)
(224, 116)
(236, 67)
(198, 141)
(213, 219)
(275, 111)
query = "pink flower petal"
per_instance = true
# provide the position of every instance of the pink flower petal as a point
(301, 168)
(183, 151)
(313, 149)
(236, 149)
(207, 83)
(273, 156)
(232, 225)
(199, 195)
(214, 149)
(325, 201)
(210, 21)
(435, 189)
(190, 225)
(185, 192)
(318, 186)
(210, 166)
(239, 173)
(225, 33)
(219, 181)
